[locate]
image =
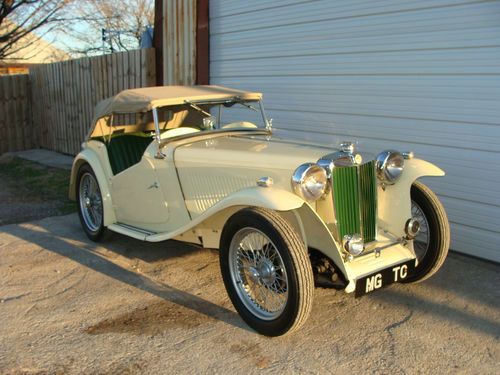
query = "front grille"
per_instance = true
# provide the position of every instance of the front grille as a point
(368, 200)
(355, 200)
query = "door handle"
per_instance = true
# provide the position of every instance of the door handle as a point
(155, 185)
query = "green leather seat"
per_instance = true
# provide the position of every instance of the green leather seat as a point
(125, 150)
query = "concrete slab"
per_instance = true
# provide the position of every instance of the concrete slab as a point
(72, 306)
(46, 157)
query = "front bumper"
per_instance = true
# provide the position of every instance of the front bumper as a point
(386, 252)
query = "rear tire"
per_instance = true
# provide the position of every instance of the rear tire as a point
(89, 203)
(432, 249)
(266, 271)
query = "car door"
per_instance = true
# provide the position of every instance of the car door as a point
(138, 198)
(166, 173)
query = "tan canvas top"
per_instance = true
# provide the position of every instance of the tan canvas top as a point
(147, 98)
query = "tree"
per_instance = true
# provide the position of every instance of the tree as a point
(108, 25)
(19, 19)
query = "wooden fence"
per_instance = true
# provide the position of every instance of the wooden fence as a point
(15, 113)
(64, 94)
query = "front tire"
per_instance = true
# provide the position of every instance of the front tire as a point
(89, 203)
(266, 271)
(432, 242)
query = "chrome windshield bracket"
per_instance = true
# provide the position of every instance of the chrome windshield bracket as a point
(268, 122)
(159, 154)
(157, 124)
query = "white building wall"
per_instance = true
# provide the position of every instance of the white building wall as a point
(410, 75)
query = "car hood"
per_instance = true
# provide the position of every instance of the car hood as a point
(264, 152)
(211, 169)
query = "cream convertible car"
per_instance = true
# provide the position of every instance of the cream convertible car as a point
(200, 164)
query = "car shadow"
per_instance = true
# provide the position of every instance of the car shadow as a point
(472, 279)
(463, 292)
(73, 244)
(149, 252)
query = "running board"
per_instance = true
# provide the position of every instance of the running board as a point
(131, 231)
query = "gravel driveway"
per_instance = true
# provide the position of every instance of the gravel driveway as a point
(124, 306)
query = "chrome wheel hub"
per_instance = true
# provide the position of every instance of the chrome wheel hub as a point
(263, 273)
(258, 273)
(422, 238)
(254, 274)
(266, 273)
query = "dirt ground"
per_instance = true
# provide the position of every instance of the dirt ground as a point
(69, 306)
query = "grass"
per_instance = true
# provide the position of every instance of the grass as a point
(37, 182)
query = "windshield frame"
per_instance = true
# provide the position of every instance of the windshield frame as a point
(235, 100)
(267, 130)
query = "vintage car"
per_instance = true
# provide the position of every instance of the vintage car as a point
(201, 164)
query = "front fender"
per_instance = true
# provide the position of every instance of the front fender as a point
(316, 235)
(216, 216)
(266, 197)
(394, 202)
(90, 157)
(296, 211)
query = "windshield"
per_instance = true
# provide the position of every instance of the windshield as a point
(233, 113)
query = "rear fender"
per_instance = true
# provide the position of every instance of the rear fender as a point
(90, 157)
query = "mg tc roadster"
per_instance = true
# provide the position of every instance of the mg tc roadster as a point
(201, 164)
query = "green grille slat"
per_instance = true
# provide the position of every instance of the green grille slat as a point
(368, 200)
(346, 198)
(355, 200)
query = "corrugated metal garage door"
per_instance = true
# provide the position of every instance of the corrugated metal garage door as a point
(419, 75)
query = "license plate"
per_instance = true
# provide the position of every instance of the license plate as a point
(384, 277)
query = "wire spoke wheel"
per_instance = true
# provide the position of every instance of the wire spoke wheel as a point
(421, 242)
(266, 271)
(90, 202)
(258, 273)
(433, 240)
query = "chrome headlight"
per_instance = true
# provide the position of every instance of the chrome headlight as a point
(309, 181)
(390, 166)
